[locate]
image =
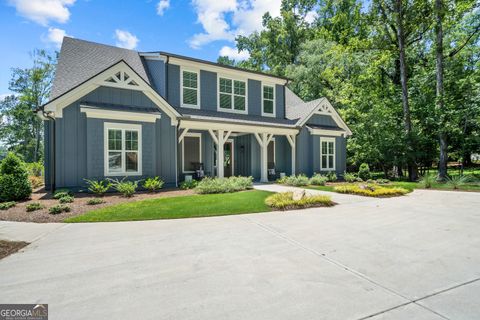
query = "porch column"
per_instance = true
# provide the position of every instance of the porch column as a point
(263, 140)
(219, 137)
(291, 140)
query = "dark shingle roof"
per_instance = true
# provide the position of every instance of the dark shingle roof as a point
(295, 108)
(80, 60)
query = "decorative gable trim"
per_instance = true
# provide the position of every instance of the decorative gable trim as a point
(119, 75)
(325, 108)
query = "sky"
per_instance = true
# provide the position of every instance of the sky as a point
(203, 29)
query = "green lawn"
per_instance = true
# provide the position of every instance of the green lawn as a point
(180, 207)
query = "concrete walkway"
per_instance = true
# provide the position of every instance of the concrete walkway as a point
(412, 257)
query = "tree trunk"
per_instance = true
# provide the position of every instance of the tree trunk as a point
(412, 166)
(442, 163)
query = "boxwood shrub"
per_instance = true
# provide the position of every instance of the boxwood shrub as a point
(14, 183)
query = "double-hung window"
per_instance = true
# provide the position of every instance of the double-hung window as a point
(268, 100)
(190, 89)
(232, 95)
(123, 149)
(327, 154)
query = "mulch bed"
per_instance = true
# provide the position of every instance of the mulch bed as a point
(78, 206)
(9, 247)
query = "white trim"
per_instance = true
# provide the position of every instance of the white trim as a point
(192, 70)
(75, 94)
(324, 132)
(233, 79)
(274, 150)
(226, 71)
(207, 125)
(118, 115)
(122, 126)
(194, 135)
(334, 153)
(324, 107)
(274, 100)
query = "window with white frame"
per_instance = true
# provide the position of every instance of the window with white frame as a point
(190, 89)
(268, 100)
(232, 95)
(123, 149)
(327, 153)
(191, 152)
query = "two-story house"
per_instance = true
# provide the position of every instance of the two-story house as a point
(115, 112)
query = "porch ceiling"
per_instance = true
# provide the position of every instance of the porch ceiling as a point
(237, 127)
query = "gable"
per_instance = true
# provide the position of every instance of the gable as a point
(323, 107)
(322, 120)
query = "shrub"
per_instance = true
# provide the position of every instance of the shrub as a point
(99, 187)
(349, 177)
(35, 169)
(318, 180)
(370, 190)
(224, 185)
(332, 176)
(456, 181)
(34, 206)
(364, 171)
(126, 188)
(95, 201)
(282, 180)
(284, 201)
(185, 185)
(427, 180)
(59, 208)
(35, 181)
(66, 199)
(153, 184)
(14, 183)
(297, 180)
(60, 193)
(7, 205)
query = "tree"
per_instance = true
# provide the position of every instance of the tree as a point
(21, 130)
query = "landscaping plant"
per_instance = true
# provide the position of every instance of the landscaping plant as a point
(370, 190)
(35, 169)
(98, 187)
(95, 201)
(66, 199)
(14, 183)
(332, 176)
(427, 180)
(60, 193)
(285, 201)
(126, 188)
(7, 205)
(153, 184)
(224, 185)
(34, 206)
(318, 180)
(349, 177)
(59, 208)
(364, 172)
(35, 182)
(297, 180)
(456, 181)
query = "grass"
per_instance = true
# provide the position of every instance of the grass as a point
(180, 207)
(284, 201)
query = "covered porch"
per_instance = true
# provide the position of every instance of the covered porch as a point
(260, 151)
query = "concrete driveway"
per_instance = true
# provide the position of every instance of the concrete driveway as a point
(414, 257)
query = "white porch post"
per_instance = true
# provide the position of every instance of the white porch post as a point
(263, 140)
(291, 139)
(219, 139)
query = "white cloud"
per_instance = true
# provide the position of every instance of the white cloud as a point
(43, 11)
(162, 6)
(55, 36)
(125, 39)
(245, 16)
(233, 53)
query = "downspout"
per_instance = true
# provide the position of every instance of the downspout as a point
(53, 141)
(178, 122)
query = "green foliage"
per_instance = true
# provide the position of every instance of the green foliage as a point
(60, 193)
(66, 199)
(126, 188)
(98, 187)
(349, 177)
(224, 185)
(364, 171)
(370, 190)
(296, 180)
(331, 176)
(14, 183)
(59, 208)
(7, 205)
(153, 184)
(427, 180)
(95, 201)
(185, 185)
(456, 181)
(35, 182)
(318, 180)
(285, 201)
(34, 206)
(35, 169)
(382, 181)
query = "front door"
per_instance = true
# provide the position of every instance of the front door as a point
(228, 158)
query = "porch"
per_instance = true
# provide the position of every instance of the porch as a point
(248, 150)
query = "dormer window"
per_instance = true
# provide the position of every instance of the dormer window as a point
(268, 101)
(190, 89)
(232, 95)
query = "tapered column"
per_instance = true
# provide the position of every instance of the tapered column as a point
(291, 140)
(263, 140)
(219, 137)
